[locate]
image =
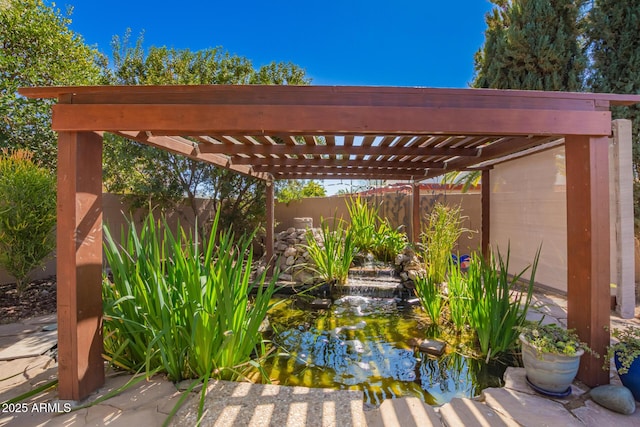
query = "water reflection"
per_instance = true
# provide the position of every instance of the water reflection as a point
(364, 343)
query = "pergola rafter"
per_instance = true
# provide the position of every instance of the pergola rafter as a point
(292, 132)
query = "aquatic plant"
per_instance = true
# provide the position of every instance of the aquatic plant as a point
(499, 304)
(429, 293)
(364, 221)
(333, 255)
(458, 298)
(442, 230)
(388, 242)
(175, 306)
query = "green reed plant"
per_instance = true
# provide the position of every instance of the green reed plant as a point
(183, 308)
(458, 298)
(499, 302)
(364, 223)
(429, 293)
(388, 242)
(332, 257)
(442, 230)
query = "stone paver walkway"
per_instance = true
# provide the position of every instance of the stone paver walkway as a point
(148, 403)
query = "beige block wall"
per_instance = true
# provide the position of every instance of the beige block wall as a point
(528, 209)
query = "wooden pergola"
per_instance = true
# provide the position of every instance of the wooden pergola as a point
(303, 132)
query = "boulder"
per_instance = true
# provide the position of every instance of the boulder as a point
(614, 397)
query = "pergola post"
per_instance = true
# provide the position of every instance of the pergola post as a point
(588, 268)
(270, 222)
(486, 213)
(415, 212)
(79, 264)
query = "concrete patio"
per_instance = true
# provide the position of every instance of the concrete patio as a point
(149, 403)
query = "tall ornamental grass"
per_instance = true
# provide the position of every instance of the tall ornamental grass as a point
(439, 236)
(180, 307)
(458, 298)
(332, 257)
(364, 223)
(430, 295)
(500, 302)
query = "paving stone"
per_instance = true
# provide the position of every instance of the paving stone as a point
(592, 414)
(470, 413)
(536, 316)
(403, 412)
(42, 320)
(434, 347)
(142, 395)
(516, 379)
(17, 329)
(528, 410)
(33, 345)
(243, 404)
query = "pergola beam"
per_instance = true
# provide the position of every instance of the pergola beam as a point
(177, 119)
(281, 150)
(185, 147)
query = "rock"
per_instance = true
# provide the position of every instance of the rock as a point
(614, 397)
(290, 251)
(320, 303)
(286, 277)
(290, 260)
(404, 276)
(291, 230)
(185, 384)
(434, 347)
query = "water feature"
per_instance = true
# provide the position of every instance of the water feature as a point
(369, 344)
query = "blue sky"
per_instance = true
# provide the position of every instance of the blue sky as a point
(349, 42)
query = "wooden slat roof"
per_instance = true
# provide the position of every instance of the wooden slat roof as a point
(291, 132)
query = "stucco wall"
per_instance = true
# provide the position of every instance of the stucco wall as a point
(528, 211)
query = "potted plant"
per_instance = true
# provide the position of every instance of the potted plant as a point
(626, 355)
(551, 357)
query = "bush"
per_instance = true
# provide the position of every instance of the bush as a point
(27, 215)
(173, 307)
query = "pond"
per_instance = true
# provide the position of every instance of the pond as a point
(368, 344)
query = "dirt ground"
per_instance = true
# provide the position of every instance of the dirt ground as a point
(37, 299)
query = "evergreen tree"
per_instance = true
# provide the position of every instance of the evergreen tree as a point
(532, 44)
(614, 45)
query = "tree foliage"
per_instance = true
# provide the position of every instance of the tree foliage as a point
(614, 46)
(37, 49)
(27, 215)
(149, 174)
(291, 190)
(532, 44)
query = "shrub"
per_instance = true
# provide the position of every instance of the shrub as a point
(388, 242)
(176, 308)
(27, 215)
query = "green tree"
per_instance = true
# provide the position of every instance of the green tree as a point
(532, 44)
(27, 215)
(38, 49)
(614, 47)
(149, 174)
(292, 190)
